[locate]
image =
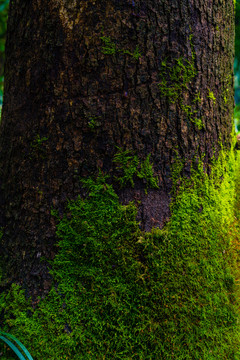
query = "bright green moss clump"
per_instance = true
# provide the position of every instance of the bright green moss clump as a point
(120, 293)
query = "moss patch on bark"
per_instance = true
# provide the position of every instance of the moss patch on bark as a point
(120, 293)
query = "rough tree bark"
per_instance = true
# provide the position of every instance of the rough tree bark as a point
(82, 77)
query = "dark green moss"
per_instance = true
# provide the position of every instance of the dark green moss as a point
(38, 148)
(110, 48)
(176, 78)
(129, 166)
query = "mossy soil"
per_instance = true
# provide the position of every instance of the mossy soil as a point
(120, 293)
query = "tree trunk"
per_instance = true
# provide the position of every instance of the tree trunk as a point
(85, 77)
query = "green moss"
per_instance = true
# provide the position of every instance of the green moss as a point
(198, 123)
(226, 86)
(93, 122)
(176, 78)
(197, 98)
(190, 113)
(147, 174)
(127, 164)
(38, 147)
(110, 48)
(120, 293)
(212, 97)
(38, 141)
(129, 167)
(136, 54)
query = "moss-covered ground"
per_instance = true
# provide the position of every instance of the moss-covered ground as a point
(119, 293)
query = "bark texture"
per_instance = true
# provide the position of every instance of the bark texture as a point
(82, 77)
